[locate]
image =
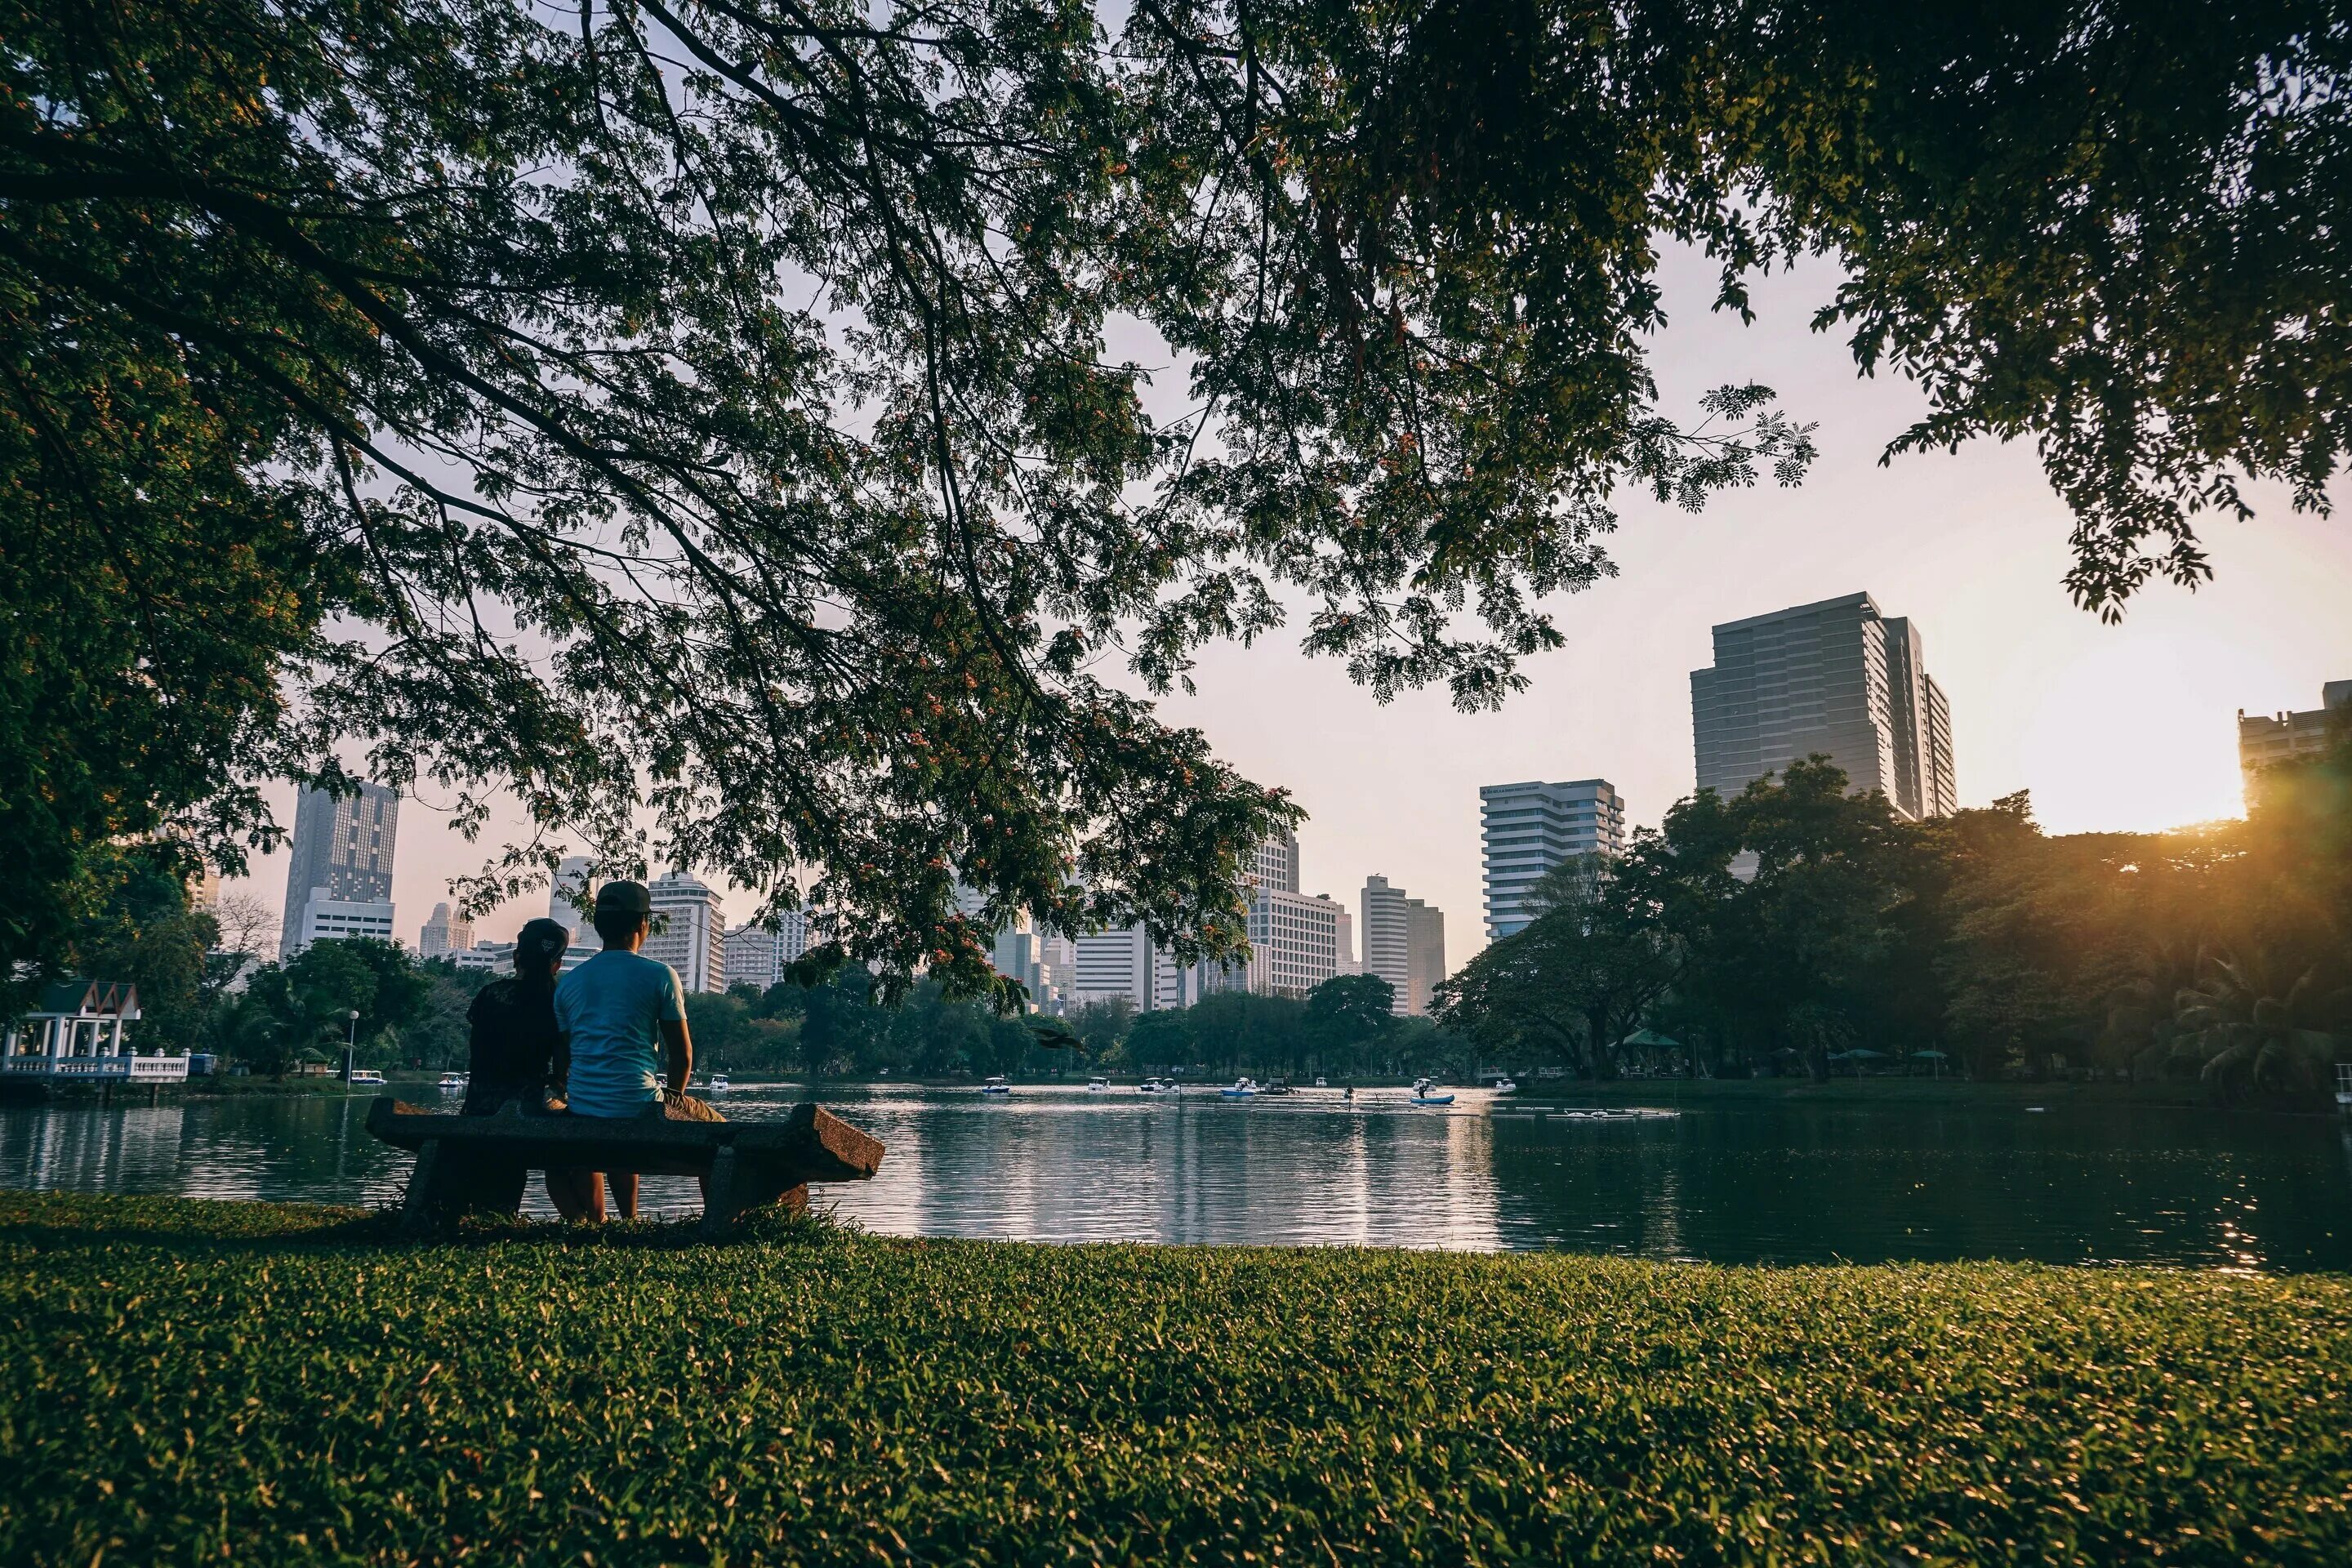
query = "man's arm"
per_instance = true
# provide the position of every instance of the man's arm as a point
(678, 1053)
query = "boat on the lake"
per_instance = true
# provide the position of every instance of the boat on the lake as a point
(1277, 1085)
(1240, 1089)
(366, 1078)
(720, 1083)
(452, 1083)
(1616, 1114)
(996, 1086)
(1504, 1086)
(1098, 1086)
(1156, 1086)
(1321, 1082)
(1426, 1093)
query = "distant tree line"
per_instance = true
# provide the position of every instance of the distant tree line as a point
(1791, 928)
(1795, 927)
(203, 988)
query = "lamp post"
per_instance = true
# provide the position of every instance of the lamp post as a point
(351, 1040)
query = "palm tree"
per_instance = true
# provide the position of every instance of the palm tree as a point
(2238, 1025)
(2141, 1030)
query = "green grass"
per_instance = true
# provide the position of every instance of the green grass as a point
(193, 1382)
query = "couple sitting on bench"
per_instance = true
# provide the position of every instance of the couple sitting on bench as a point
(608, 1040)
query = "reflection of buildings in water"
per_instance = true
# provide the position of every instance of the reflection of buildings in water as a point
(1662, 1211)
(131, 1149)
(1472, 1223)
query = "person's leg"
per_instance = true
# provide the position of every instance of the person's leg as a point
(622, 1185)
(686, 1107)
(576, 1195)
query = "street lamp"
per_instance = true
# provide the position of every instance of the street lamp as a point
(351, 1040)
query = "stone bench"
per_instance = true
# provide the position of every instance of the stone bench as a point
(477, 1164)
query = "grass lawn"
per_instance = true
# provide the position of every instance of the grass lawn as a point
(191, 1383)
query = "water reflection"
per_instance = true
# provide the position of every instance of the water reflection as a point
(1762, 1183)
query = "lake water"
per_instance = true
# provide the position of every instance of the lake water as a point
(1776, 1183)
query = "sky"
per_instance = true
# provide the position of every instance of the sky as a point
(2110, 727)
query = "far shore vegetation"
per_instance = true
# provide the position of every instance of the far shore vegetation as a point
(2211, 963)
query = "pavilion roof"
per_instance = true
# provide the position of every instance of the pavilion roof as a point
(88, 999)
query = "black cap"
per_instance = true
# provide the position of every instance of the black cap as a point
(625, 898)
(542, 941)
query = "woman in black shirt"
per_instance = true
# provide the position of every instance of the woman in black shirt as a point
(515, 1052)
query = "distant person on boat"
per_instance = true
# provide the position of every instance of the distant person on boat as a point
(514, 1052)
(623, 1016)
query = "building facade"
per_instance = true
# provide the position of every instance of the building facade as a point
(1837, 678)
(1404, 944)
(1424, 957)
(690, 933)
(1125, 962)
(444, 934)
(758, 957)
(339, 876)
(2264, 740)
(1529, 829)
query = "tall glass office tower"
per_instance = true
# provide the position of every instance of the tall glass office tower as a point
(1838, 677)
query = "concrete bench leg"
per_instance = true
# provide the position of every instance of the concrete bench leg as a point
(720, 1201)
(416, 1208)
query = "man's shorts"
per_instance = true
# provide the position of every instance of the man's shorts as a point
(668, 1107)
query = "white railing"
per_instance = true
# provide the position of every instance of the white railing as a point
(123, 1069)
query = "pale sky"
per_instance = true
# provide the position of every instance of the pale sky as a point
(2110, 727)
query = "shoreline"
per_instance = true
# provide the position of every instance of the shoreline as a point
(1546, 1094)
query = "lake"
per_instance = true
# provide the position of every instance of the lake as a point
(1767, 1181)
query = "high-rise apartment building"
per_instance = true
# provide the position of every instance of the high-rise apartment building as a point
(2262, 741)
(444, 934)
(1275, 864)
(690, 933)
(1424, 955)
(1837, 678)
(1041, 963)
(1531, 827)
(1404, 944)
(1125, 962)
(758, 957)
(339, 877)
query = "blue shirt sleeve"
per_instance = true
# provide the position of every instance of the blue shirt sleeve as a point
(673, 1001)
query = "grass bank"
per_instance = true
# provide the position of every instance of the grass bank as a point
(191, 1383)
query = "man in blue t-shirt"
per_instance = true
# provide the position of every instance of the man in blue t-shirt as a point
(623, 1016)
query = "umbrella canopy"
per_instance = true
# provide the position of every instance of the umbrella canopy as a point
(1924, 1056)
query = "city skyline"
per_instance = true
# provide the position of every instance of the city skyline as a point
(2128, 727)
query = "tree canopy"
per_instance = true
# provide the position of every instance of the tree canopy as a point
(705, 408)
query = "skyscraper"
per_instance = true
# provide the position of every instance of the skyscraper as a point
(444, 934)
(691, 937)
(339, 876)
(1125, 962)
(1404, 944)
(1837, 678)
(1424, 955)
(1531, 827)
(571, 897)
(758, 957)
